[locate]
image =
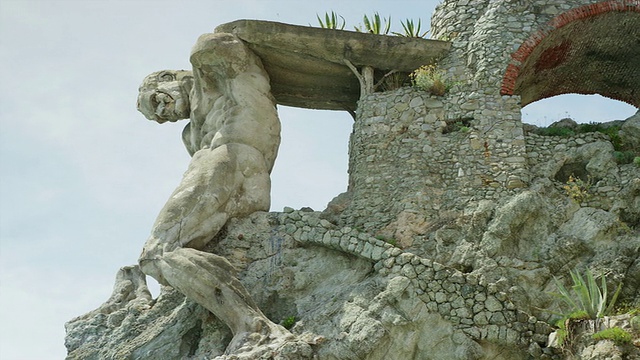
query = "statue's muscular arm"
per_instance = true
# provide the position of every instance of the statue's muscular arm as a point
(231, 101)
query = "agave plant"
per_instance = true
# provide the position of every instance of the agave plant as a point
(411, 29)
(586, 296)
(375, 25)
(331, 21)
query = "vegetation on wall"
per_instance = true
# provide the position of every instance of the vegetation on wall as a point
(623, 153)
(411, 30)
(578, 189)
(586, 296)
(432, 79)
(617, 335)
(331, 21)
(585, 300)
(374, 25)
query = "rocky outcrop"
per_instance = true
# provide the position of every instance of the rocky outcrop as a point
(467, 279)
(630, 132)
(353, 296)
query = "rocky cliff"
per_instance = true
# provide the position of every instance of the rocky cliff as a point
(472, 282)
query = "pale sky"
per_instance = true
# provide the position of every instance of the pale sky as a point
(83, 174)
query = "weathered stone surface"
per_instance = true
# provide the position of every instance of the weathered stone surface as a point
(306, 64)
(233, 136)
(589, 225)
(586, 348)
(132, 325)
(630, 131)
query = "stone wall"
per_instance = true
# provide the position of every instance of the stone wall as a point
(480, 310)
(412, 151)
(415, 152)
(491, 42)
(484, 34)
(588, 157)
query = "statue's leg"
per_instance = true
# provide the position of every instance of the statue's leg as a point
(231, 180)
(209, 280)
(210, 192)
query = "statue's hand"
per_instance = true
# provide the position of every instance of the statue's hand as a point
(150, 260)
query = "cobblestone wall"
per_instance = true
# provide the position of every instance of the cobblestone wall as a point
(558, 157)
(411, 151)
(485, 33)
(414, 152)
(481, 310)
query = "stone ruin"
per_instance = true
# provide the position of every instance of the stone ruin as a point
(456, 219)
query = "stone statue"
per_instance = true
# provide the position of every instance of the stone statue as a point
(233, 137)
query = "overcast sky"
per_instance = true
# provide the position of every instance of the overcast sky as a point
(83, 174)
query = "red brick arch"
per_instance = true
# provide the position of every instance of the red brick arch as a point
(552, 56)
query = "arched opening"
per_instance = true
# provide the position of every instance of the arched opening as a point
(570, 115)
(592, 49)
(311, 167)
(583, 109)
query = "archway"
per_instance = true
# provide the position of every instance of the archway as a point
(592, 49)
(580, 108)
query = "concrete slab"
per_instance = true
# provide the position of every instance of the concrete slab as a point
(306, 64)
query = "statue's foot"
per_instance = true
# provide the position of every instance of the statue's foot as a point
(267, 341)
(209, 280)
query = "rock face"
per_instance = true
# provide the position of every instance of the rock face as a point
(357, 297)
(630, 132)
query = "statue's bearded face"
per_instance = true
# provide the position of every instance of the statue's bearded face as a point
(164, 95)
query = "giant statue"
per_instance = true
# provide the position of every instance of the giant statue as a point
(233, 137)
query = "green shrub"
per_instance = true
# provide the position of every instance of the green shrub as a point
(555, 131)
(331, 21)
(375, 26)
(617, 335)
(590, 127)
(614, 136)
(288, 322)
(411, 30)
(624, 157)
(587, 296)
(430, 78)
(636, 161)
(578, 189)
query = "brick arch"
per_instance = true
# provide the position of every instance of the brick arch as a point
(571, 45)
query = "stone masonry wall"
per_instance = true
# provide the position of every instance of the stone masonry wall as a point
(480, 310)
(588, 156)
(412, 151)
(485, 33)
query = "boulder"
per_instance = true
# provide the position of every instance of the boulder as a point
(630, 132)
(565, 123)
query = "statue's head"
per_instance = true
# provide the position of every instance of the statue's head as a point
(164, 95)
